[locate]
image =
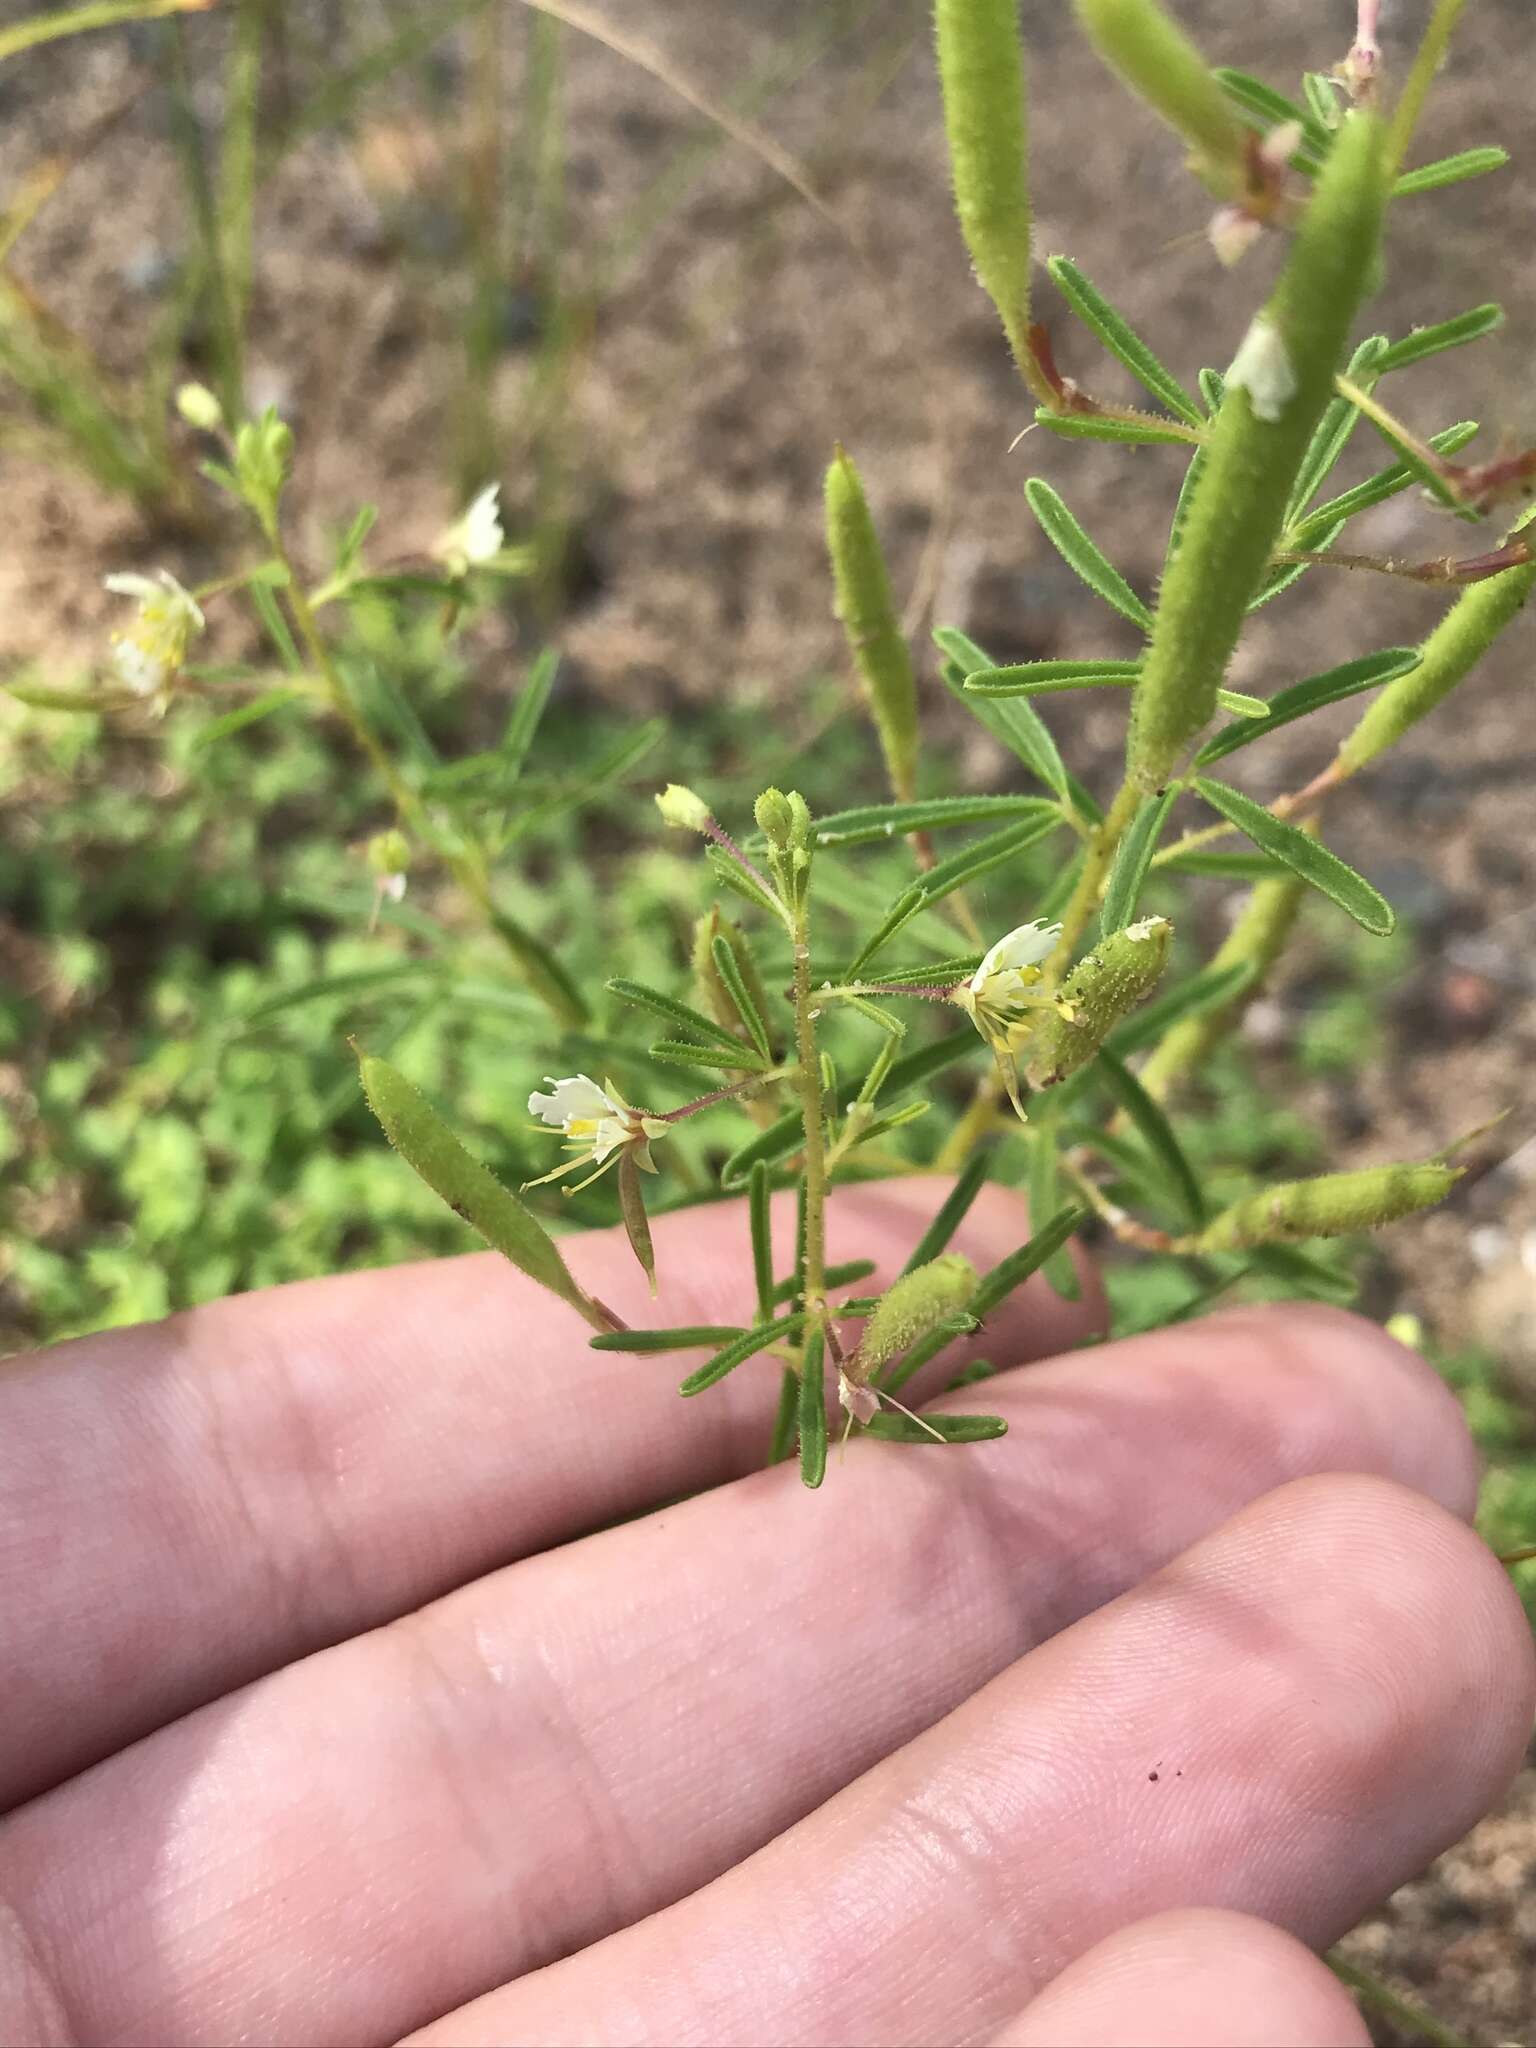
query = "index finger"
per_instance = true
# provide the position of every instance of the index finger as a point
(190, 1504)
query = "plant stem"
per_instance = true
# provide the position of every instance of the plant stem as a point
(1427, 61)
(811, 1107)
(1084, 900)
(1383, 1999)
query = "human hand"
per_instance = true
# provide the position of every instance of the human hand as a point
(328, 1719)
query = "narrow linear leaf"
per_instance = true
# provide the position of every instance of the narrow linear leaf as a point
(1010, 1274)
(47, 25)
(785, 1136)
(1082, 555)
(1295, 849)
(247, 714)
(1271, 109)
(1087, 426)
(1213, 389)
(355, 982)
(836, 1276)
(949, 875)
(1319, 527)
(873, 822)
(429, 1147)
(1304, 1274)
(1331, 687)
(812, 1410)
(544, 972)
(1433, 341)
(1285, 574)
(1451, 170)
(783, 1438)
(729, 875)
(1037, 678)
(762, 1240)
(931, 973)
(1133, 857)
(741, 1348)
(687, 1337)
(1043, 1192)
(678, 1052)
(1157, 1133)
(673, 1010)
(1020, 728)
(532, 701)
(1241, 704)
(952, 1211)
(637, 1225)
(1226, 867)
(1338, 423)
(270, 612)
(1122, 340)
(728, 967)
(953, 1429)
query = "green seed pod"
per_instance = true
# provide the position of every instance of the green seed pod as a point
(1256, 447)
(1257, 940)
(1160, 63)
(981, 72)
(910, 1308)
(1102, 988)
(868, 613)
(774, 818)
(1332, 1205)
(1455, 647)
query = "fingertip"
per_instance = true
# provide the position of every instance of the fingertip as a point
(1197, 1977)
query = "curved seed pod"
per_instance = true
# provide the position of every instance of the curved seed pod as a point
(1160, 63)
(981, 71)
(1332, 1205)
(910, 1308)
(1256, 447)
(1455, 647)
(868, 613)
(1101, 989)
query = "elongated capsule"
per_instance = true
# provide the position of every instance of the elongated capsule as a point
(909, 1308)
(1160, 63)
(868, 612)
(1101, 989)
(1331, 1205)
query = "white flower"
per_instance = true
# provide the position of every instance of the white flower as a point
(1003, 992)
(598, 1125)
(476, 538)
(1006, 971)
(148, 655)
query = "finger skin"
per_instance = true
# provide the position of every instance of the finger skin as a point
(1289, 1721)
(189, 1504)
(362, 1841)
(1196, 1979)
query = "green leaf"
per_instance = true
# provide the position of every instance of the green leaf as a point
(1241, 704)
(931, 973)
(1133, 857)
(1339, 420)
(730, 875)
(1082, 556)
(1451, 170)
(1122, 340)
(1433, 341)
(48, 23)
(1213, 389)
(681, 1052)
(1020, 728)
(762, 1240)
(952, 1211)
(1331, 687)
(941, 880)
(1302, 855)
(270, 612)
(1157, 1133)
(1318, 528)
(1271, 109)
(673, 1010)
(1419, 469)
(428, 1146)
(787, 1135)
(836, 1276)
(728, 967)
(1304, 1274)
(354, 982)
(688, 1337)
(544, 973)
(1228, 867)
(245, 714)
(813, 1410)
(1044, 1196)
(954, 1429)
(871, 823)
(1010, 1274)
(1038, 678)
(526, 713)
(1087, 426)
(741, 1348)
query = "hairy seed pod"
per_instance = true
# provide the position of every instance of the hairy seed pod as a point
(981, 71)
(1160, 63)
(1332, 1205)
(1101, 989)
(910, 1308)
(1255, 449)
(868, 613)
(1455, 647)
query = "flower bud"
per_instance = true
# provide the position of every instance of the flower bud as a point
(389, 853)
(775, 819)
(1331, 1205)
(1102, 988)
(679, 806)
(910, 1308)
(199, 408)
